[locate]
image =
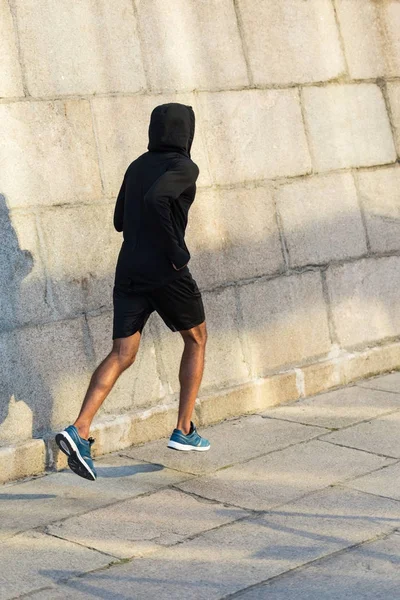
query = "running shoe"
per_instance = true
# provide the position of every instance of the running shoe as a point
(78, 451)
(191, 441)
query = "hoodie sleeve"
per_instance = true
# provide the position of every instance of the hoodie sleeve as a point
(119, 208)
(165, 189)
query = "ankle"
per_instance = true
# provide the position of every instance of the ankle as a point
(184, 427)
(83, 430)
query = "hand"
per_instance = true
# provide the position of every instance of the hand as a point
(176, 269)
(180, 254)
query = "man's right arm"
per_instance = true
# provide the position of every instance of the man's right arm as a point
(119, 208)
(167, 188)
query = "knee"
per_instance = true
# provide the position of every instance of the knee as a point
(124, 358)
(197, 336)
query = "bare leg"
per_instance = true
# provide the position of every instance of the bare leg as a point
(121, 357)
(191, 373)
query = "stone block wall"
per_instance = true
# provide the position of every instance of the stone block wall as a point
(294, 233)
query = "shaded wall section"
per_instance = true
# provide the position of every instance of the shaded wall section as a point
(295, 230)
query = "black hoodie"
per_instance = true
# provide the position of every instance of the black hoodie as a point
(153, 203)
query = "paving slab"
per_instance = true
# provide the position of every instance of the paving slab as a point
(209, 567)
(389, 383)
(370, 572)
(334, 515)
(384, 482)
(232, 442)
(32, 560)
(55, 496)
(262, 483)
(139, 526)
(380, 436)
(357, 320)
(233, 557)
(338, 408)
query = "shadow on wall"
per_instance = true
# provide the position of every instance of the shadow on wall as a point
(16, 417)
(45, 368)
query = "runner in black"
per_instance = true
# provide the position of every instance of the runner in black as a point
(152, 273)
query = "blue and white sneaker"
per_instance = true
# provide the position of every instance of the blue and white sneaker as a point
(78, 451)
(191, 441)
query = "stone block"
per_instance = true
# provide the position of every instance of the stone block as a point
(289, 42)
(284, 475)
(266, 123)
(232, 234)
(275, 330)
(33, 560)
(91, 49)
(59, 137)
(364, 300)
(13, 429)
(380, 436)
(143, 525)
(348, 126)
(370, 35)
(229, 402)
(251, 397)
(201, 45)
(81, 249)
(321, 219)
(393, 90)
(122, 130)
(48, 372)
(10, 77)
(321, 376)
(225, 363)
(372, 361)
(21, 460)
(338, 408)
(111, 433)
(380, 197)
(153, 424)
(232, 442)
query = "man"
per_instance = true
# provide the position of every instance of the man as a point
(151, 274)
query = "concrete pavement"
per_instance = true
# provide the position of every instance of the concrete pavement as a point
(300, 502)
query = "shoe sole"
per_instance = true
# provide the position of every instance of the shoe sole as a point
(76, 462)
(186, 447)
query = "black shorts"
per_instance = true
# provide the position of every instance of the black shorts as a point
(179, 304)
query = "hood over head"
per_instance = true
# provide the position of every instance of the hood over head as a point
(171, 128)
